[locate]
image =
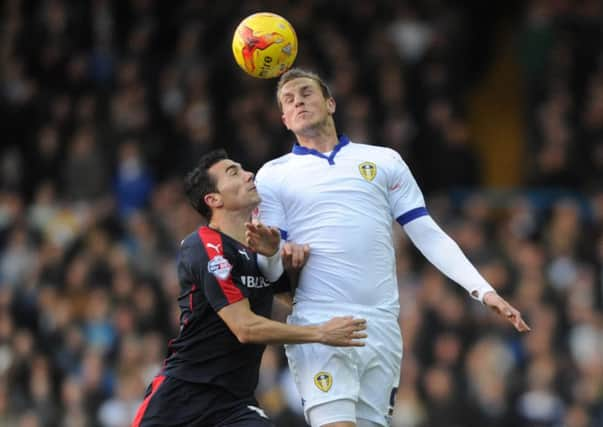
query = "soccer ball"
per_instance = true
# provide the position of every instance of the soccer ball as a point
(264, 45)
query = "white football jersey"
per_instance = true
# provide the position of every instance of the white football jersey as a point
(342, 204)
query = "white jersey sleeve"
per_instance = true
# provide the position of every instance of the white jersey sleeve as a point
(447, 256)
(404, 195)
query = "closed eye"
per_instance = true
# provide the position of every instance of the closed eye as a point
(233, 170)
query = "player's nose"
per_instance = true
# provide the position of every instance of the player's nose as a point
(249, 176)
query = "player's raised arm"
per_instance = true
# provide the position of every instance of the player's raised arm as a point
(447, 256)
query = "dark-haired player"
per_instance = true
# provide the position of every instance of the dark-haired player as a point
(211, 372)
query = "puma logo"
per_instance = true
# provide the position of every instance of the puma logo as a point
(244, 253)
(214, 247)
(259, 411)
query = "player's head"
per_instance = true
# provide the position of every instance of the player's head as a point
(297, 73)
(218, 183)
(305, 100)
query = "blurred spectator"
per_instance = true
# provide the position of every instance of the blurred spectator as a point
(85, 173)
(120, 410)
(17, 258)
(540, 404)
(133, 182)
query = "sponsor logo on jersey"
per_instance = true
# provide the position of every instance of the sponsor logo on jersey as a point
(368, 170)
(219, 267)
(254, 281)
(323, 380)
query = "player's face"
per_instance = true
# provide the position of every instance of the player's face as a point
(235, 186)
(304, 105)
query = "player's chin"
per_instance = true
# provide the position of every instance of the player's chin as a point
(254, 199)
(304, 127)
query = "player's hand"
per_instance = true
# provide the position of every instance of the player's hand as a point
(506, 310)
(262, 239)
(343, 332)
(294, 256)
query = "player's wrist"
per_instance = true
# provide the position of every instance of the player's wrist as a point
(274, 254)
(320, 334)
(480, 293)
(487, 296)
(271, 266)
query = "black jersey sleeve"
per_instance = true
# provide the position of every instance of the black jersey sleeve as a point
(187, 257)
(209, 277)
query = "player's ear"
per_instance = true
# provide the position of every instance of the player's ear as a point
(213, 200)
(331, 105)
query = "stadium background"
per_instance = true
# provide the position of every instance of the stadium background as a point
(496, 106)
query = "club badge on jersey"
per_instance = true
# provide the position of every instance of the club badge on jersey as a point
(323, 380)
(368, 170)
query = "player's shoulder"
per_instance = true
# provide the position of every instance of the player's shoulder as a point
(206, 244)
(190, 248)
(278, 162)
(376, 152)
(192, 239)
(272, 169)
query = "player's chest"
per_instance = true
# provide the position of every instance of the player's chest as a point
(317, 180)
(246, 272)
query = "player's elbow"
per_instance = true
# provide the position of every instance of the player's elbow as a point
(242, 322)
(243, 337)
(243, 333)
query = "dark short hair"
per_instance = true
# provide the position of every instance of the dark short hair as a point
(198, 182)
(298, 73)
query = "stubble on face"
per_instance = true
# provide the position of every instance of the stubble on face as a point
(304, 106)
(235, 185)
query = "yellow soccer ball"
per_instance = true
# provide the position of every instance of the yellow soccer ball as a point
(264, 45)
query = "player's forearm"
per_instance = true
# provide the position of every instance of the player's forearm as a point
(445, 254)
(262, 330)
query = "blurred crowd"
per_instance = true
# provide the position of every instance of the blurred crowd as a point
(105, 104)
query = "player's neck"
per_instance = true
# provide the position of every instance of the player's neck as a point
(322, 140)
(322, 146)
(232, 224)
